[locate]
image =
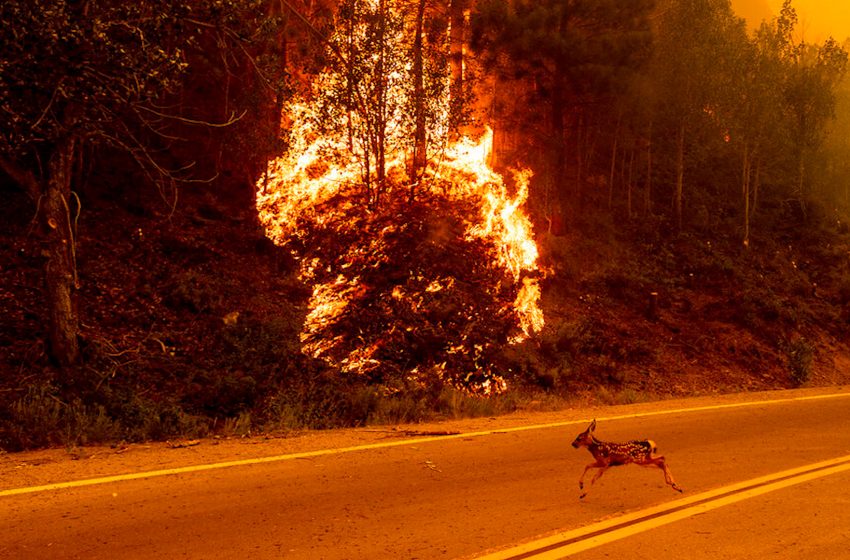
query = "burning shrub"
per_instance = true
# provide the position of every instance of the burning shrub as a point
(421, 260)
(424, 290)
(402, 295)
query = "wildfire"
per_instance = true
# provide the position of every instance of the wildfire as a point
(321, 199)
(297, 191)
(502, 220)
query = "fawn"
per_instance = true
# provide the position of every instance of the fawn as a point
(614, 454)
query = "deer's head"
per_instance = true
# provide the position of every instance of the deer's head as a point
(586, 437)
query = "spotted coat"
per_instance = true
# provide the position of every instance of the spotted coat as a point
(608, 454)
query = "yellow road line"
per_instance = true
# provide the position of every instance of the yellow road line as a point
(567, 543)
(397, 443)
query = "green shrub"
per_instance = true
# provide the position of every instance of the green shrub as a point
(239, 426)
(309, 396)
(400, 408)
(800, 355)
(34, 420)
(454, 403)
(40, 419)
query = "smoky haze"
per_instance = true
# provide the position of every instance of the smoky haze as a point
(819, 19)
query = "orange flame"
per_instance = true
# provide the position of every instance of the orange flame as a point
(503, 220)
(298, 184)
(317, 182)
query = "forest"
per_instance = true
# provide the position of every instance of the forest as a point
(243, 216)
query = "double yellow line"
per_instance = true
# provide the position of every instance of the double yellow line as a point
(567, 543)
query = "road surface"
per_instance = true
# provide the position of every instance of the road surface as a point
(473, 494)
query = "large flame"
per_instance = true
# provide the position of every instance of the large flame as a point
(502, 220)
(318, 183)
(298, 187)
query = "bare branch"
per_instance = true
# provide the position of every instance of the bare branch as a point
(253, 62)
(233, 119)
(49, 104)
(316, 32)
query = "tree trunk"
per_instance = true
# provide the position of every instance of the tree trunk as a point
(558, 131)
(613, 164)
(647, 200)
(801, 185)
(579, 149)
(276, 140)
(349, 86)
(629, 211)
(419, 138)
(745, 186)
(457, 23)
(680, 174)
(381, 111)
(60, 267)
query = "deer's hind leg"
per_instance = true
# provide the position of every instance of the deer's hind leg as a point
(661, 463)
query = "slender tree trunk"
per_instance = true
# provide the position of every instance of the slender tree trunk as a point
(419, 138)
(745, 186)
(457, 28)
(60, 267)
(629, 183)
(558, 133)
(801, 174)
(680, 174)
(592, 137)
(495, 118)
(276, 140)
(647, 196)
(349, 87)
(613, 163)
(579, 160)
(381, 113)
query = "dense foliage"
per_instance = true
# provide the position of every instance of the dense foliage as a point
(672, 100)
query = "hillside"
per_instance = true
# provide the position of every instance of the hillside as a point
(191, 321)
(468, 208)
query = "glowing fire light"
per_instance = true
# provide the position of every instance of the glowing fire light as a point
(297, 187)
(318, 182)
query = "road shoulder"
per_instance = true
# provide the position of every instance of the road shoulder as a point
(51, 466)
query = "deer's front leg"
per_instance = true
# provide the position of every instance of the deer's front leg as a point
(597, 465)
(592, 465)
(599, 474)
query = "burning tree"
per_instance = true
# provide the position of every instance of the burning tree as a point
(421, 258)
(383, 90)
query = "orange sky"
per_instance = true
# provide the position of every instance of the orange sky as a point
(818, 18)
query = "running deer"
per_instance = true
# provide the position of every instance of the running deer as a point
(614, 454)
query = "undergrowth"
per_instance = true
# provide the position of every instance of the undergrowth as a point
(41, 418)
(204, 347)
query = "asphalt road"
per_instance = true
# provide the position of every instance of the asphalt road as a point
(806, 521)
(460, 497)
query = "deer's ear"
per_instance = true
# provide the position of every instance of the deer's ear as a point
(592, 426)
